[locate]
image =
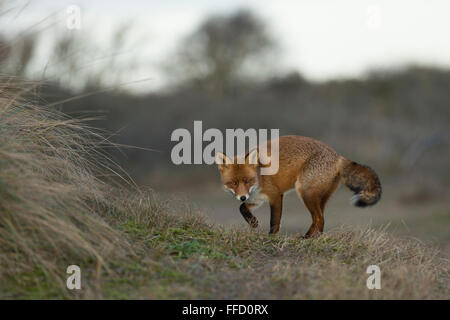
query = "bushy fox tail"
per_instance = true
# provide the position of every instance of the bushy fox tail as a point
(363, 181)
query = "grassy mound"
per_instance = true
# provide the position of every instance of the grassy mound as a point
(51, 192)
(59, 206)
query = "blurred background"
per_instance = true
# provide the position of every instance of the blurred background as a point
(369, 78)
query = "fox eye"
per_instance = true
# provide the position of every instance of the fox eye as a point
(234, 183)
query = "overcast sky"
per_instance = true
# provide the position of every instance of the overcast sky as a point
(322, 39)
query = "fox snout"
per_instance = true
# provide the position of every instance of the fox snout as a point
(241, 194)
(242, 198)
(245, 194)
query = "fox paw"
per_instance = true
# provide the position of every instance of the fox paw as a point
(310, 236)
(253, 222)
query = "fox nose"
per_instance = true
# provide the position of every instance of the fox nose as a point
(243, 198)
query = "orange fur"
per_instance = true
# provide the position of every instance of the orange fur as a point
(309, 166)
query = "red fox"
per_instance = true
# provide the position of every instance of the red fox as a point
(310, 166)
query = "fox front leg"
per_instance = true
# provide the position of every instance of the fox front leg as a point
(248, 216)
(276, 207)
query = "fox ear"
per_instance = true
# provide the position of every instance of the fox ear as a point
(253, 157)
(222, 160)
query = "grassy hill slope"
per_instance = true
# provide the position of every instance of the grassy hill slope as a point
(63, 202)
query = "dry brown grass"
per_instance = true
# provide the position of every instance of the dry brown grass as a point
(334, 265)
(50, 189)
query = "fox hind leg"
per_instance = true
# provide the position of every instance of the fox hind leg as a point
(329, 192)
(312, 201)
(315, 192)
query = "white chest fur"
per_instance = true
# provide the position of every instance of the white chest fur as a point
(256, 198)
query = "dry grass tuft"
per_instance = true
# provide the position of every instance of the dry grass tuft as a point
(50, 190)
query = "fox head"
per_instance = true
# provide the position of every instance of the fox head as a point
(239, 179)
